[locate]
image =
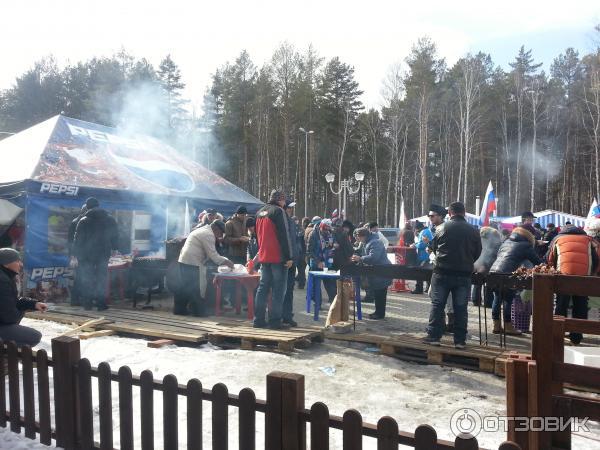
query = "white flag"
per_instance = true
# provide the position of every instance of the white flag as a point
(402, 219)
(186, 220)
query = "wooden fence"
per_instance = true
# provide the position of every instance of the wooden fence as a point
(536, 385)
(285, 415)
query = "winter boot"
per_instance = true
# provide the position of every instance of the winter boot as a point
(450, 323)
(510, 329)
(497, 327)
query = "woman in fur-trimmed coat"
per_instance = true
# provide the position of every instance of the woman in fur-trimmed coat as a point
(517, 250)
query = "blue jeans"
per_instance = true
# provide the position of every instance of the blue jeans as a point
(441, 286)
(288, 299)
(272, 277)
(507, 299)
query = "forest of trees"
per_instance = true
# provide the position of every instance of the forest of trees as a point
(441, 135)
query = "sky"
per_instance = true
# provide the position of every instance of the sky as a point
(370, 35)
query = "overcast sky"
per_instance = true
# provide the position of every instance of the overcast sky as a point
(368, 34)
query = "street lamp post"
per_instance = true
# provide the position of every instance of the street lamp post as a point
(306, 133)
(345, 188)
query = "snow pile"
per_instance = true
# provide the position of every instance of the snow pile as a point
(341, 377)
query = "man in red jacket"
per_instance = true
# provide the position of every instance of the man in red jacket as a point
(275, 258)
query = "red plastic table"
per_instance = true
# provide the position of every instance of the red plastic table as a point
(248, 281)
(119, 268)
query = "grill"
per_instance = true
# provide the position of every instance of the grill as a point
(147, 272)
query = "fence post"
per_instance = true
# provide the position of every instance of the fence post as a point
(284, 430)
(273, 436)
(292, 402)
(517, 397)
(542, 348)
(66, 354)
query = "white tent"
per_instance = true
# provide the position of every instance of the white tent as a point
(8, 212)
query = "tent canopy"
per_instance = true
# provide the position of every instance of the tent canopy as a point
(548, 216)
(471, 218)
(62, 154)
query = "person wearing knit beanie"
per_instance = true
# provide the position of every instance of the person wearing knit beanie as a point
(8, 256)
(12, 308)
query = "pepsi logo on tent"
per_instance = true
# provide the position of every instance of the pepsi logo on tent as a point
(152, 167)
(142, 159)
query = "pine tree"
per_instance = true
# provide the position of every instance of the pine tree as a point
(170, 79)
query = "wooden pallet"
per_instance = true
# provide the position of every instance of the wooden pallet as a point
(248, 338)
(158, 324)
(410, 348)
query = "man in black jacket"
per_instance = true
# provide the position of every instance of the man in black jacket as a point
(76, 290)
(457, 246)
(96, 236)
(12, 307)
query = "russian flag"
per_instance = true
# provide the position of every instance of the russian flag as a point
(594, 210)
(489, 206)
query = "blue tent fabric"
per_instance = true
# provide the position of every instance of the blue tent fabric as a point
(63, 161)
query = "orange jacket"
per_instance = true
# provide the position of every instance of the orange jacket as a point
(573, 253)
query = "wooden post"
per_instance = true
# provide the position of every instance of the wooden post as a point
(517, 395)
(66, 354)
(292, 402)
(542, 348)
(560, 439)
(273, 436)
(285, 399)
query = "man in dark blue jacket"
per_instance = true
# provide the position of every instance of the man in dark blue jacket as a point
(457, 246)
(12, 307)
(374, 254)
(96, 236)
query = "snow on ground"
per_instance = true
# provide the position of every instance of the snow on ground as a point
(13, 441)
(341, 377)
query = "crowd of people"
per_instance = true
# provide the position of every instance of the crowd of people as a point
(283, 247)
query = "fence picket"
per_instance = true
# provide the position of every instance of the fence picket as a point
(170, 420)
(28, 392)
(220, 419)
(126, 408)
(3, 366)
(194, 414)
(86, 412)
(387, 434)
(352, 430)
(247, 414)
(425, 437)
(44, 397)
(147, 409)
(319, 427)
(14, 394)
(105, 403)
(466, 444)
